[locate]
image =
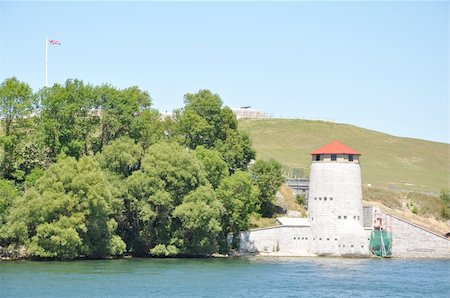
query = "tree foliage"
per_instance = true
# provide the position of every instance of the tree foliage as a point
(268, 177)
(16, 101)
(94, 171)
(70, 204)
(240, 198)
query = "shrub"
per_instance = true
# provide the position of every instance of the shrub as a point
(300, 199)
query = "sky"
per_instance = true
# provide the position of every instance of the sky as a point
(378, 65)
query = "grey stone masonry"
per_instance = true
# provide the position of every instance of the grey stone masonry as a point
(412, 241)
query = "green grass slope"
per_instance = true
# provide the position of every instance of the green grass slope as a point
(386, 160)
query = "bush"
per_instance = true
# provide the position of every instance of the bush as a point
(162, 250)
(300, 199)
(445, 196)
(445, 213)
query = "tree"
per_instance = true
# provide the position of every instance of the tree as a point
(7, 196)
(119, 109)
(16, 102)
(121, 156)
(268, 178)
(205, 122)
(68, 213)
(147, 128)
(168, 173)
(56, 240)
(176, 166)
(215, 167)
(22, 149)
(145, 203)
(236, 150)
(68, 119)
(200, 227)
(239, 197)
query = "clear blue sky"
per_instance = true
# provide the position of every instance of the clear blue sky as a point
(379, 65)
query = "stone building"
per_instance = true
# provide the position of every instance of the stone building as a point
(337, 224)
(335, 202)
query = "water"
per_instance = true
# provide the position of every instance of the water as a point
(246, 277)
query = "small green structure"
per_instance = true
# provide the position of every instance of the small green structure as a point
(381, 243)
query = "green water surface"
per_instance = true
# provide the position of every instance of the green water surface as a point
(237, 277)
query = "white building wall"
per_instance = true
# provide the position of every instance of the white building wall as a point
(278, 240)
(335, 209)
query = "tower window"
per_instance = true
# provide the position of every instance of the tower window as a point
(333, 157)
(331, 198)
(325, 198)
(345, 216)
(339, 217)
(350, 157)
(318, 157)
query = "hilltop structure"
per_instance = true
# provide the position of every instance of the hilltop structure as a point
(337, 223)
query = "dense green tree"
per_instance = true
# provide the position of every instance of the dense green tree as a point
(21, 149)
(205, 122)
(121, 156)
(16, 102)
(158, 186)
(216, 168)
(56, 240)
(119, 111)
(239, 197)
(71, 201)
(200, 120)
(236, 150)
(8, 194)
(176, 166)
(268, 177)
(69, 120)
(147, 128)
(200, 226)
(168, 173)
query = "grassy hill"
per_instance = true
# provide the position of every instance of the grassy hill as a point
(387, 161)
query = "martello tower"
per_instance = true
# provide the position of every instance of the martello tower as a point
(335, 206)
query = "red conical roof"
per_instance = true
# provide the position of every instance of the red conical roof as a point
(335, 147)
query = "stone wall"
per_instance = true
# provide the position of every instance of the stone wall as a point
(278, 240)
(412, 241)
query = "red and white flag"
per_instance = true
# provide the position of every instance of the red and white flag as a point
(54, 42)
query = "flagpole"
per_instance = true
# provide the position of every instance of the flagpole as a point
(46, 61)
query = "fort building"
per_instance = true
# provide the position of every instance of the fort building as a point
(337, 224)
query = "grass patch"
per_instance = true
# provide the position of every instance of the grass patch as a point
(257, 221)
(387, 161)
(425, 205)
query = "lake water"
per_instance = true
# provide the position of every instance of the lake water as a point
(243, 277)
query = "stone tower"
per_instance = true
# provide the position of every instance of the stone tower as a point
(335, 206)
